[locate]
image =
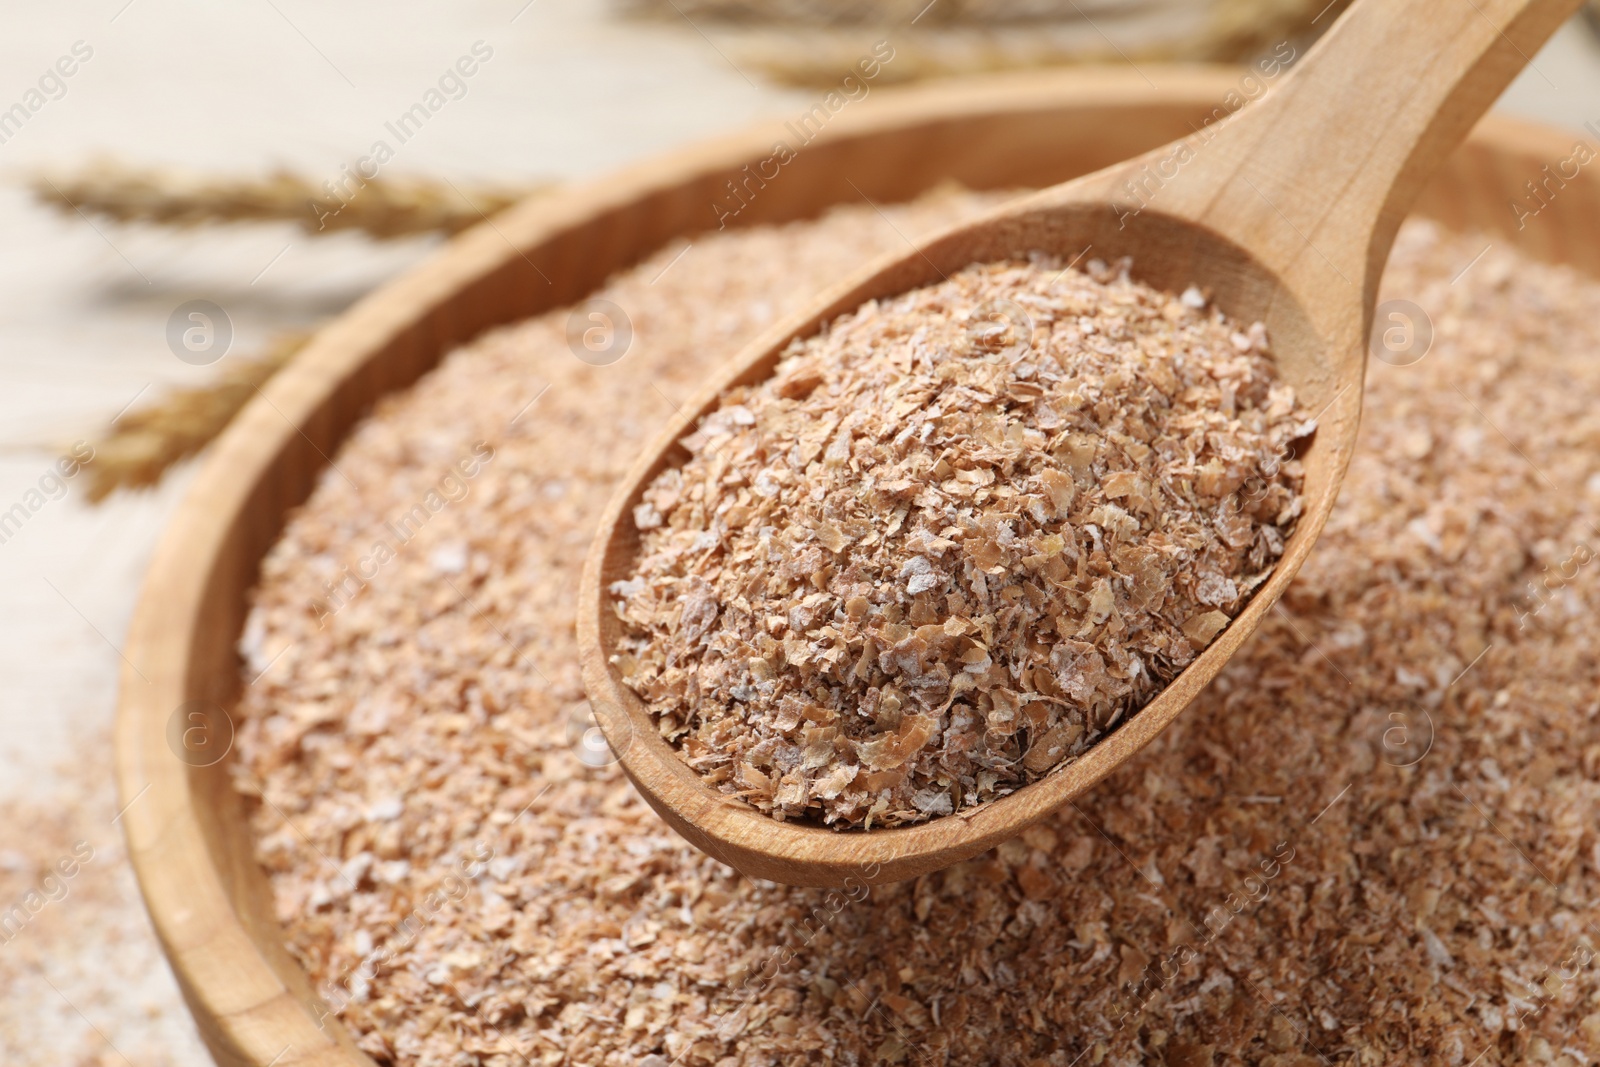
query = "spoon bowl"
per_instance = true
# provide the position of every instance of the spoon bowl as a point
(1284, 213)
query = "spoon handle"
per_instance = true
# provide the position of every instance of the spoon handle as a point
(1317, 175)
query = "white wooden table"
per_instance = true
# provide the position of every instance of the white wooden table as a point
(241, 88)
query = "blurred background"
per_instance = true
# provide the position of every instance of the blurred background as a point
(159, 157)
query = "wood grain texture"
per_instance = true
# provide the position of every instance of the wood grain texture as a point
(186, 831)
(1285, 212)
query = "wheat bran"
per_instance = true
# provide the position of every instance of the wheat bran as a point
(1373, 840)
(955, 539)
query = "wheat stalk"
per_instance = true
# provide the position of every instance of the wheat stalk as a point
(885, 13)
(811, 43)
(1243, 29)
(146, 442)
(382, 207)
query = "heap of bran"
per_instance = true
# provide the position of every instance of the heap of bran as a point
(1372, 840)
(956, 539)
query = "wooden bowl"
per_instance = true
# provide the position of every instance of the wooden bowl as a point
(187, 831)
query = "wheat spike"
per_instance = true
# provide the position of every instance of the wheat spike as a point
(811, 44)
(382, 207)
(969, 14)
(146, 442)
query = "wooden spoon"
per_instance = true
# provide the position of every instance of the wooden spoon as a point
(1285, 211)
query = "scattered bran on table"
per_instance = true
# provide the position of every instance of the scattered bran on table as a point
(955, 540)
(1264, 884)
